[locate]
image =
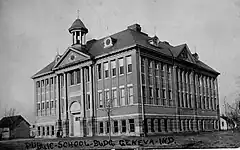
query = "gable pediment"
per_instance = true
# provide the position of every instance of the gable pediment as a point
(71, 56)
(186, 55)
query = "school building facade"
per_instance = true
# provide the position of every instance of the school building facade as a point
(146, 85)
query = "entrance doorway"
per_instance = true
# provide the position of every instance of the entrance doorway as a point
(75, 119)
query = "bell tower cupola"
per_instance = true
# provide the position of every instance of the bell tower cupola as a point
(78, 31)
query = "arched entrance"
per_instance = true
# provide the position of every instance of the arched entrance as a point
(75, 119)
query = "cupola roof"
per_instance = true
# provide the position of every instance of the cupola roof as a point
(78, 25)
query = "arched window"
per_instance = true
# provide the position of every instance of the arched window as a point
(75, 108)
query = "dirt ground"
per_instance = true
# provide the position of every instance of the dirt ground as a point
(221, 139)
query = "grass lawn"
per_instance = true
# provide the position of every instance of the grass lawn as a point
(220, 139)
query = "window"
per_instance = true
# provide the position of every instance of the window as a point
(38, 106)
(72, 78)
(162, 67)
(170, 94)
(39, 131)
(51, 81)
(151, 95)
(159, 125)
(215, 103)
(107, 98)
(163, 70)
(107, 127)
(99, 71)
(52, 130)
(186, 100)
(150, 79)
(38, 84)
(51, 104)
(43, 107)
(207, 107)
(170, 98)
(88, 101)
(47, 130)
(100, 99)
(43, 130)
(114, 97)
(169, 69)
(150, 66)
(204, 102)
(179, 99)
(163, 93)
(144, 94)
(129, 64)
(132, 125)
(47, 83)
(164, 97)
(190, 100)
(124, 128)
(157, 92)
(121, 66)
(47, 105)
(156, 69)
(152, 125)
(122, 96)
(130, 95)
(78, 76)
(101, 127)
(158, 96)
(142, 65)
(106, 70)
(143, 79)
(115, 123)
(42, 83)
(113, 68)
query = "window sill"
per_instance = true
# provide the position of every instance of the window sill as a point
(121, 75)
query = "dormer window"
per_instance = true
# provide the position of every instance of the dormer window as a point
(154, 41)
(108, 42)
(184, 55)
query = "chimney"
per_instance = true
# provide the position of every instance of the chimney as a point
(135, 27)
(195, 55)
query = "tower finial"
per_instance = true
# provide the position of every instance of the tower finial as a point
(155, 30)
(57, 51)
(195, 49)
(78, 13)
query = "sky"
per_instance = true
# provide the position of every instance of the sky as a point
(32, 31)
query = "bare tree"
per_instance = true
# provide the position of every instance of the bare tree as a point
(232, 111)
(10, 112)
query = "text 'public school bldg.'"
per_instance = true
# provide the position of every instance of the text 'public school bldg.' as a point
(150, 86)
